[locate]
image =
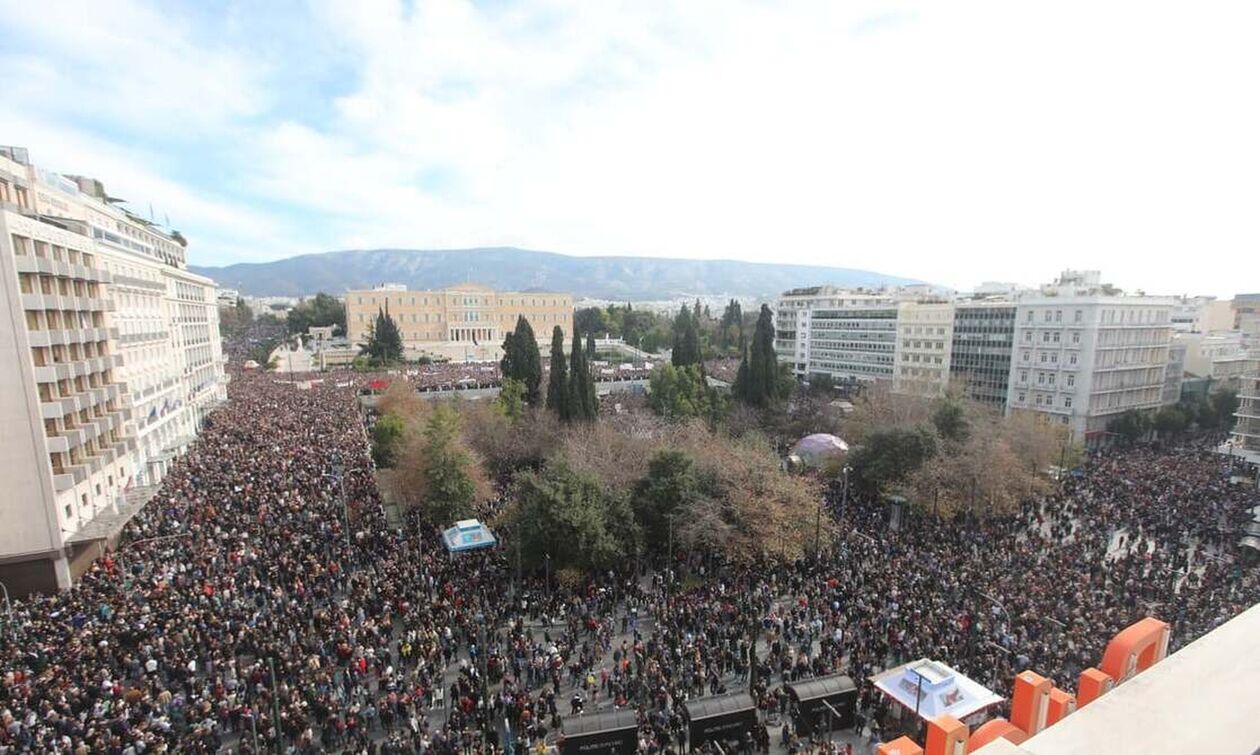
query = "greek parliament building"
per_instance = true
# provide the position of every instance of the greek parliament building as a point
(464, 323)
(110, 359)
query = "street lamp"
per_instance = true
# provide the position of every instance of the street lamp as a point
(338, 471)
(8, 610)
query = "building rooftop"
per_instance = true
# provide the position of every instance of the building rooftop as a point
(1201, 699)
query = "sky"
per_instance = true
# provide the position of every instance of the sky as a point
(954, 142)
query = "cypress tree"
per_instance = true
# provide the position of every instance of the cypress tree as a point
(758, 375)
(522, 361)
(590, 347)
(557, 383)
(582, 405)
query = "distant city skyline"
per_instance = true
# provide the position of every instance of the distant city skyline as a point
(953, 143)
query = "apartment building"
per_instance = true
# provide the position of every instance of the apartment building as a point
(1084, 354)
(462, 323)
(980, 360)
(107, 374)
(850, 336)
(1246, 433)
(925, 340)
(1246, 316)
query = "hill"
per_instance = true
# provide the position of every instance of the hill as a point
(508, 268)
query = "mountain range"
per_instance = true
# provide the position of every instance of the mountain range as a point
(509, 268)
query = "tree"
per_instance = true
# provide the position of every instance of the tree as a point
(557, 382)
(671, 487)
(950, 420)
(235, 320)
(889, 457)
(1170, 420)
(387, 436)
(384, 341)
(511, 400)
(570, 518)
(318, 311)
(582, 403)
(521, 360)
(590, 346)
(1131, 425)
(681, 393)
(731, 328)
(761, 383)
(450, 486)
(593, 320)
(686, 348)
(1225, 402)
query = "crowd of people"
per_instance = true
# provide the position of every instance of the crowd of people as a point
(263, 595)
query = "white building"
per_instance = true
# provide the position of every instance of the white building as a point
(228, 297)
(112, 358)
(925, 335)
(1084, 353)
(1201, 314)
(1220, 355)
(850, 336)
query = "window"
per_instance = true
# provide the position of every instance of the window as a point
(1030, 316)
(1071, 380)
(1058, 315)
(1023, 376)
(1072, 359)
(1022, 397)
(1051, 379)
(1043, 357)
(1067, 402)
(1045, 337)
(1041, 378)
(1076, 336)
(1028, 336)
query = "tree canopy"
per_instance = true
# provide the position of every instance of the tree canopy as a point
(384, 341)
(681, 393)
(316, 312)
(521, 360)
(758, 381)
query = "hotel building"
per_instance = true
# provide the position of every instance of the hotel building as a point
(112, 359)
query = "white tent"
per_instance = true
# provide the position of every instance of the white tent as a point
(931, 688)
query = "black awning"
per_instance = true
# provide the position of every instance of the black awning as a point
(615, 732)
(810, 698)
(722, 718)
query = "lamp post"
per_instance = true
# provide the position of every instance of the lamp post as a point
(275, 703)
(339, 472)
(844, 495)
(8, 612)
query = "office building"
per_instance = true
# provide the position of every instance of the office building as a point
(849, 336)
(1084, 353)
(925, 339)
(1246, 433)
(1246, 312)
(112, 360)
(980, 360)
(461, 323)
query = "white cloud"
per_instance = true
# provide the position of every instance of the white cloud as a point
(948, 141)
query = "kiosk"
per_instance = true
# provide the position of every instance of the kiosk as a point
(719, 719)
(810, 698)
(615, 732)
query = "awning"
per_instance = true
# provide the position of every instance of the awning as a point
(467, 535)
(723, 718)
(610, 733)
(812, 696)
(931, 688)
